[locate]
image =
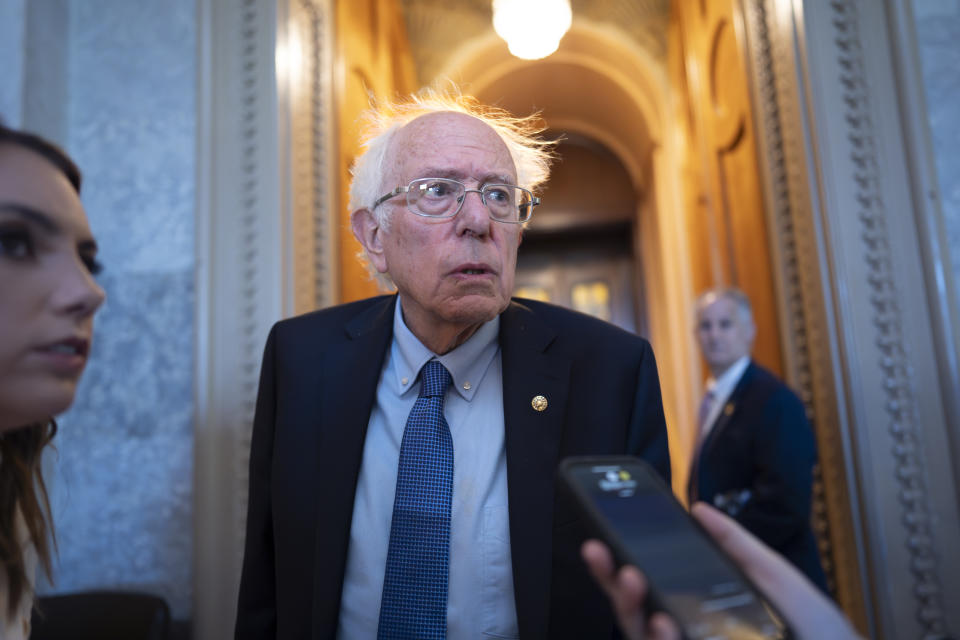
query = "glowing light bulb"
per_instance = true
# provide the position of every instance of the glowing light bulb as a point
(532, 28)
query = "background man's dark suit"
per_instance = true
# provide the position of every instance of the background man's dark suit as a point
(763, 442)
(318, 385)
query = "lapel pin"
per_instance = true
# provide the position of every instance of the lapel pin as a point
(728, 409)
(539, 403)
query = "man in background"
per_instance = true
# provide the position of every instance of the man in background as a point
(755, 450)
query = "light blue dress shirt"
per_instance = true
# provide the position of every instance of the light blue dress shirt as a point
(480, 602)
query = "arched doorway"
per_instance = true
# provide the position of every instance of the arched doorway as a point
(578, 251)
(607, 93)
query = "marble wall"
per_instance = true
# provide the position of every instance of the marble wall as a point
(122, 480)
(12, 52)
(938, 32)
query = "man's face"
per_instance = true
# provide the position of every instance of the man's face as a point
(724, 333)
(453, 274)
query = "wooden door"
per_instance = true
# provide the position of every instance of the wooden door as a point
(373, 57)
(729, 243)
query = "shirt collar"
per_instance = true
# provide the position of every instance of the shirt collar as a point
(723, 386)
(467, 364)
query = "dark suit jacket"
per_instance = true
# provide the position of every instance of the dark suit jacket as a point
(762, 442)
(317, 389)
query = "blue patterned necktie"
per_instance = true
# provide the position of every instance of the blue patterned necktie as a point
(414, 600)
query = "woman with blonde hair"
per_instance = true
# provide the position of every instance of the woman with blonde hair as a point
(47, 301)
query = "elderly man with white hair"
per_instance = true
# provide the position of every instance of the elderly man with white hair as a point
(405, 447)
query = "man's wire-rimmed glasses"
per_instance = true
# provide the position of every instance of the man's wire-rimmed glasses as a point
(443, 198)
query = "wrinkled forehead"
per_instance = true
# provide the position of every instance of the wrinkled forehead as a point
(449, 144)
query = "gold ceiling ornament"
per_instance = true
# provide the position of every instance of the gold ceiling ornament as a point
(532, 28)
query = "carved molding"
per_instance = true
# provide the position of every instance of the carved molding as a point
(239, 249)
(311, 152)
(854, 304)
(802, 313)
(898, 378)
(263, 223)
(325, 171)
(250, 255)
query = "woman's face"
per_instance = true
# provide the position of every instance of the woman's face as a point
(47, 292)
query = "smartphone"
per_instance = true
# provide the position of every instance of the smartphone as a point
(629, 507)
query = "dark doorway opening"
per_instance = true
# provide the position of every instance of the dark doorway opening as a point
(579, 248)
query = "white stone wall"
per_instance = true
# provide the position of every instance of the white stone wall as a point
(938, 38)
(13, 24)
(114, 82)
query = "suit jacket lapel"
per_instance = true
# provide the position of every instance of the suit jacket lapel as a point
(729, 410)
(532, 447)
(350, 371)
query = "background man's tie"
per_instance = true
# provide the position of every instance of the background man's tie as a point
(414, 600)
(705, 405)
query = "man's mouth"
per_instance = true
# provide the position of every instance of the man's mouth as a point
(473, 272)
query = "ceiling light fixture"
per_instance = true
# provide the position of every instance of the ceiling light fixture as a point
(532, 28)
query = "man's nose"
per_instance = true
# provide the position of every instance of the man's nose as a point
(474, 215)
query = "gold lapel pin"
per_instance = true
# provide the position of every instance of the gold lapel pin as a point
(728, 409)
(539, 403)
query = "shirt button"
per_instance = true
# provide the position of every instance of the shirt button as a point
(404, 381)
(466, 386)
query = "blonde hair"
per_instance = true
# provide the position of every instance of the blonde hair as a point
(530, 153)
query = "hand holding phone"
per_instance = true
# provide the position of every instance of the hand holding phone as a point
(626, 588)
(688, 576)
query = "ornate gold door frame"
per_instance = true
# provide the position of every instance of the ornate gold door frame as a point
(870, 329)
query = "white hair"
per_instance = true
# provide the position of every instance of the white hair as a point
(530, 153)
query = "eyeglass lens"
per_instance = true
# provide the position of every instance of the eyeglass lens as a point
(439, 197)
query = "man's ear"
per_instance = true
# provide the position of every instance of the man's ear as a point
(369, 233)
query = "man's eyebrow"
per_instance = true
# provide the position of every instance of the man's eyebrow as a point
(495, 178)
(442, 173)
(41, 219)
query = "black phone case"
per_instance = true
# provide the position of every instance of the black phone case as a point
(597, 527)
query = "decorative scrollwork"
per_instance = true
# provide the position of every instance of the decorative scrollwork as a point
(897, 387)
(316, 66)
(781, 215)
(251, 339)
